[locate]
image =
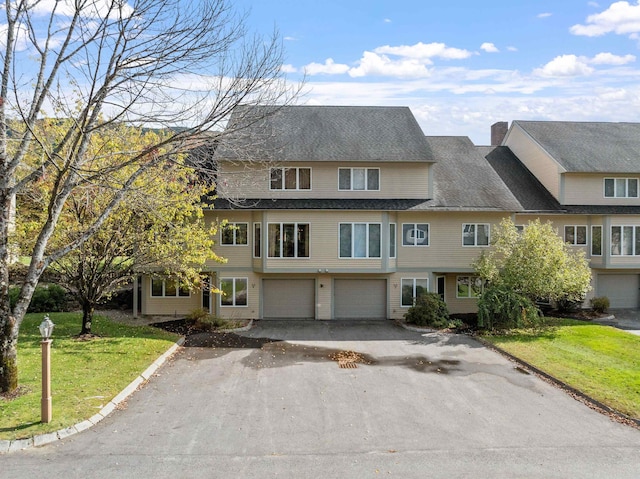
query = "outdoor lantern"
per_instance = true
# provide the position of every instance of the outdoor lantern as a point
(46, 328)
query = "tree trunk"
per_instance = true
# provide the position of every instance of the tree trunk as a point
(87, 317)
(8, 353)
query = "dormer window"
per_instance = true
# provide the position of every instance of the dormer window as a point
(290, 179)
(621, 187)
(359, 179)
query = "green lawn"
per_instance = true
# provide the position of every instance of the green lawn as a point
(600, 361)
(86, 375)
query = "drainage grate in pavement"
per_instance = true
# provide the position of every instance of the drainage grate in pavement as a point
(347, 359)
(347, 365)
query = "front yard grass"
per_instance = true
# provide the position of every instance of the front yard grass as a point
(85, 375)
(600, 361)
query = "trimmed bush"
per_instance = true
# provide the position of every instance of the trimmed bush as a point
(503, 308)
(429, 310)
(197, 315)
(600, 304)
(49, 298)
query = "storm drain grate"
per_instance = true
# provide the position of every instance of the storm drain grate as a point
(347, 359)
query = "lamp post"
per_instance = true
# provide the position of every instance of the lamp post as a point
(46, 328)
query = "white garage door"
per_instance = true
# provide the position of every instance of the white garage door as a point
(288, 299)
(621, 289)
(360, 299)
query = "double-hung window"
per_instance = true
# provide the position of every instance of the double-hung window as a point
(233, 291)
(359, 240)
(475, 234)
(415, 234)
(168, 288)
(234, 234)
(290, 179)
(412, 289)
(288, 240)
(359, 179)
(575, 235)
(469, 287)
(621, 187)
(625, 240)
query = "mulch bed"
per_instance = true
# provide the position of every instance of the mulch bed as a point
(199, 338)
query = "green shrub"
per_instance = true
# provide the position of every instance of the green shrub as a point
(197, 315)
(428, 310)
(502, 308)
(48, 298)
(600, 304)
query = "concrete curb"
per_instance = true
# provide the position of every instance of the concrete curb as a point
(42, 439)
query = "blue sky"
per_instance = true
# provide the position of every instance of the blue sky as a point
(462, 65)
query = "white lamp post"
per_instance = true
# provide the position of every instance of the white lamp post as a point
(46, 328)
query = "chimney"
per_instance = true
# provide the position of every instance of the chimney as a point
(498, 132)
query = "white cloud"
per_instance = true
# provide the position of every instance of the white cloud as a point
(92, 9)
(424, 51)
(611, 59)
(387, 20)
(565, 65)
(593, 4)
(290, 39)
(621, 18)
(512, 49)
(329, 67)
(544, 15)
(381, 65)
(489, 47)
(287, 68)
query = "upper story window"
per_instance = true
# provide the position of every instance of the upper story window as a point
(168, 288)
(359, 179)
(475, 234)
(392, 240)
(288, 240)
(234, 234)
(359, 240)
(621, 187)
(596, 240)
(290, 179)
(257, 240)
(575, 235)
(625, 240)
(415, 234)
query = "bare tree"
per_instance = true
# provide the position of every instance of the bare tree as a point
(160, 63)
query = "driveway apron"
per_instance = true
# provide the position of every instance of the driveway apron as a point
(342, 399)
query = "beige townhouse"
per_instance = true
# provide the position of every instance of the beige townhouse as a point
(351, 212)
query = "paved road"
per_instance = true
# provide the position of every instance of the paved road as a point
(425, 406)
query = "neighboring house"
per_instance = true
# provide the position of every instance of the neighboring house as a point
(350, 212)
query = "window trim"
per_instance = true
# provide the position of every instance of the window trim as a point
(234, 279)
(415, 228)
(282, 178)
(635, 237)
(413, 295)
(366, 240)
(257, 240)
(469, 286)
(626, 187)
(295, 246)
(366, 178)
(593, 227)
(575, 235)
(234, 225)
(475, 235)
(164, 289)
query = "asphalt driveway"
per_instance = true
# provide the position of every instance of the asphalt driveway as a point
(277, 405)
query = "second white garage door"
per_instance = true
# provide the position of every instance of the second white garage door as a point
(621, 289)
(288, 299)
(360, 299)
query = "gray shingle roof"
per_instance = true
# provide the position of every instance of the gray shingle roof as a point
(322, 204)
(324, 133)
(464, 179)
(520, 181)
(597, 147)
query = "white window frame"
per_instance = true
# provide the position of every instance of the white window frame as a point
(234, 227)
(366, 179)
(593, 228)
(575, 235)
(615, 187)
(257, 240)
(234, 289)
(413, 294)
(283, 180)
(367, 230)
(164, 289)
(414, 235)
(470, 287)
(393, 240)
(635, 236)
(475, 235)
(295, 244)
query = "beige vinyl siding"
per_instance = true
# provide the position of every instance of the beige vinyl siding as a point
(412, 179)
(172, 306)
(236, 256)
(458, 305)
(535, 159)
(588, 189)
